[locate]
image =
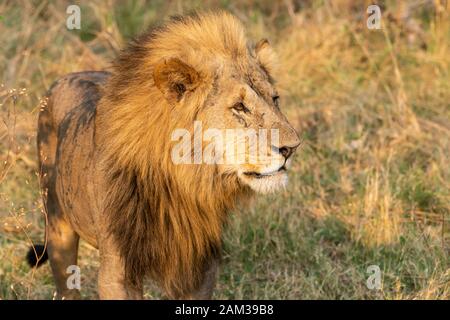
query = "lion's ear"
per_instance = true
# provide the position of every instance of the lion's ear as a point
(174, 78)
(266, 56)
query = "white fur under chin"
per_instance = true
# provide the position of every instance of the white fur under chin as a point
(269, 184)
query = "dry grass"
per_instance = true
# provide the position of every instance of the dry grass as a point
(370, 186)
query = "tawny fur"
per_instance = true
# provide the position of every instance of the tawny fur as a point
(105, 150)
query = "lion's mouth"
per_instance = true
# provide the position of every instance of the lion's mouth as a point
(259, 175)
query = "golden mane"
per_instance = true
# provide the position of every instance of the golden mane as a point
(167, 219)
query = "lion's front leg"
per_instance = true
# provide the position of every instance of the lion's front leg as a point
(205, 291)
(111, 278)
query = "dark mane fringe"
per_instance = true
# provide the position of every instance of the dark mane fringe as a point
(146, 224)
(134, 206)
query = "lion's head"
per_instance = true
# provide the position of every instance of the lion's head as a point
(228, 85)
(195, 69)
(202, 68)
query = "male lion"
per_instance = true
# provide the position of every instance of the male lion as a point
(104, 142)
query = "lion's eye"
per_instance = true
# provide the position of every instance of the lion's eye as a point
(240, 107)
(276, 100)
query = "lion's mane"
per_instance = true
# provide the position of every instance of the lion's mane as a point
(167, 219)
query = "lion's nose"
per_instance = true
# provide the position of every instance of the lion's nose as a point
(287, 151)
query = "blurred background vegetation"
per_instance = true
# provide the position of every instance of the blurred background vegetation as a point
(370, 186)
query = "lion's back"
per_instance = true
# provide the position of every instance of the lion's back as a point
(66, 131)
(73, 90)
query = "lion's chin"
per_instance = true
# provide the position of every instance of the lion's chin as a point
(265, 184)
